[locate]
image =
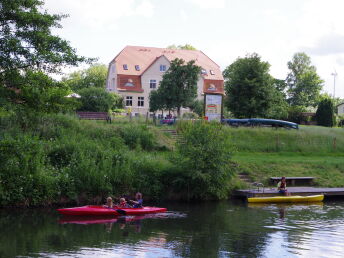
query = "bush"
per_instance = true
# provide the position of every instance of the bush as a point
(138, 136)
(24, 179)
(203, 157)
(190, 115)
(325, 113)
(96, 100)
(294, 114)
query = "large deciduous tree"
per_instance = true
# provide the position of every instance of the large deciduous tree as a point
(94, 76)
(251, 90)
(26, 40)
(179, 84)
(303, 82)
(28, 49)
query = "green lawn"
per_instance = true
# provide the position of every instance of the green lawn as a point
(327, 168)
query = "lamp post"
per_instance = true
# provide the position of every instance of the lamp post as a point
(334, 83)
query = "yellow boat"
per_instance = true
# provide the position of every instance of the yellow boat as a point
(292, 198)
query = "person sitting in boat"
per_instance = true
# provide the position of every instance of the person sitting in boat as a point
(282, 186)
(123, 203)
(138, 200)
(109, 203)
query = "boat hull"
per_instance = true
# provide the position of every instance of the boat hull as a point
(92, 210)
(278, 199)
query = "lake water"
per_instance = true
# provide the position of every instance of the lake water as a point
(222, 229)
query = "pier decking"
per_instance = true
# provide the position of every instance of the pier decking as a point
(267, 191)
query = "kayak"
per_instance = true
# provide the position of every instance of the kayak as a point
(294, 198)
(100, 210)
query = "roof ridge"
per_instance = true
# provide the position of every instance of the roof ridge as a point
(210, 59)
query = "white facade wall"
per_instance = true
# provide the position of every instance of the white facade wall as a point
(152, 73)
(112, 79)
(340, 109)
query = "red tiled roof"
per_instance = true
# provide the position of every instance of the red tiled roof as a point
(145, 56)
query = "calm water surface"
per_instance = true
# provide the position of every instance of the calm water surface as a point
(222, 229)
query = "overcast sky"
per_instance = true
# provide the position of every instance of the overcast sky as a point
(222, 29)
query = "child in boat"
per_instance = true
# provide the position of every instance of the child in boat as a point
(123, 203)
(138, 200)
(109, 203)
(282, 186)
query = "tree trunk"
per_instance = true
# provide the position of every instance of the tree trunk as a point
(178, 112)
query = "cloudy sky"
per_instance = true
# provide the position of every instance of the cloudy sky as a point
(223, 29)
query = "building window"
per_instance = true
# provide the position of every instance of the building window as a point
(128, 101)
(212, 72)
(125, 67)
(162, 68)
(129, 83)
(137, 67)
(203, 71)
(141, 101)
(152, 84)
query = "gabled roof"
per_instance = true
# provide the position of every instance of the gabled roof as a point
(146, 56)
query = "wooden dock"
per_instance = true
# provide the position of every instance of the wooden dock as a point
(267, 191)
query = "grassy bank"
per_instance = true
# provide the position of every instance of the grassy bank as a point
(56, 159)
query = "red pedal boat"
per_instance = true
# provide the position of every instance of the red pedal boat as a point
(100, 210)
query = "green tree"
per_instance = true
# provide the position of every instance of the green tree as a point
(94, 76)
(97, 100)
(197, 106)
(155, 101)
(179, 84)
(303, 82)
(250, 88)
(325, 112)
(40, 92)
(28, 48)
(186, 47)
(26, 40)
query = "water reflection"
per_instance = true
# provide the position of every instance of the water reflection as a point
(191, 230)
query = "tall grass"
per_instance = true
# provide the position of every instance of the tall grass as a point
(305, 140)
(58, 157)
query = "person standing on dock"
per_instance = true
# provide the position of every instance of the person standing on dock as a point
(282, 186)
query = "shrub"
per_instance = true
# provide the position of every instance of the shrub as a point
(203, 157)
(138, 136)
(23, 177)
(149, 172)
(96, 100)
(189, 115)
(325, 113)
(294, 114)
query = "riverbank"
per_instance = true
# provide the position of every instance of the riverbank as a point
(59, 159)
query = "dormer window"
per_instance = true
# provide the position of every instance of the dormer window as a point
(212, 72)
(162, 68)
(129, 83)
(125, 67)
(212, 87)
(204, 72)
(137, 67)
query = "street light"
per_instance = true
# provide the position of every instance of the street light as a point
(334, 83)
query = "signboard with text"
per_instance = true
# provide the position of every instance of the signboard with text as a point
(213, 107)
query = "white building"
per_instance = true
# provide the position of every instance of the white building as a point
(340, 109)
(136, 71)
